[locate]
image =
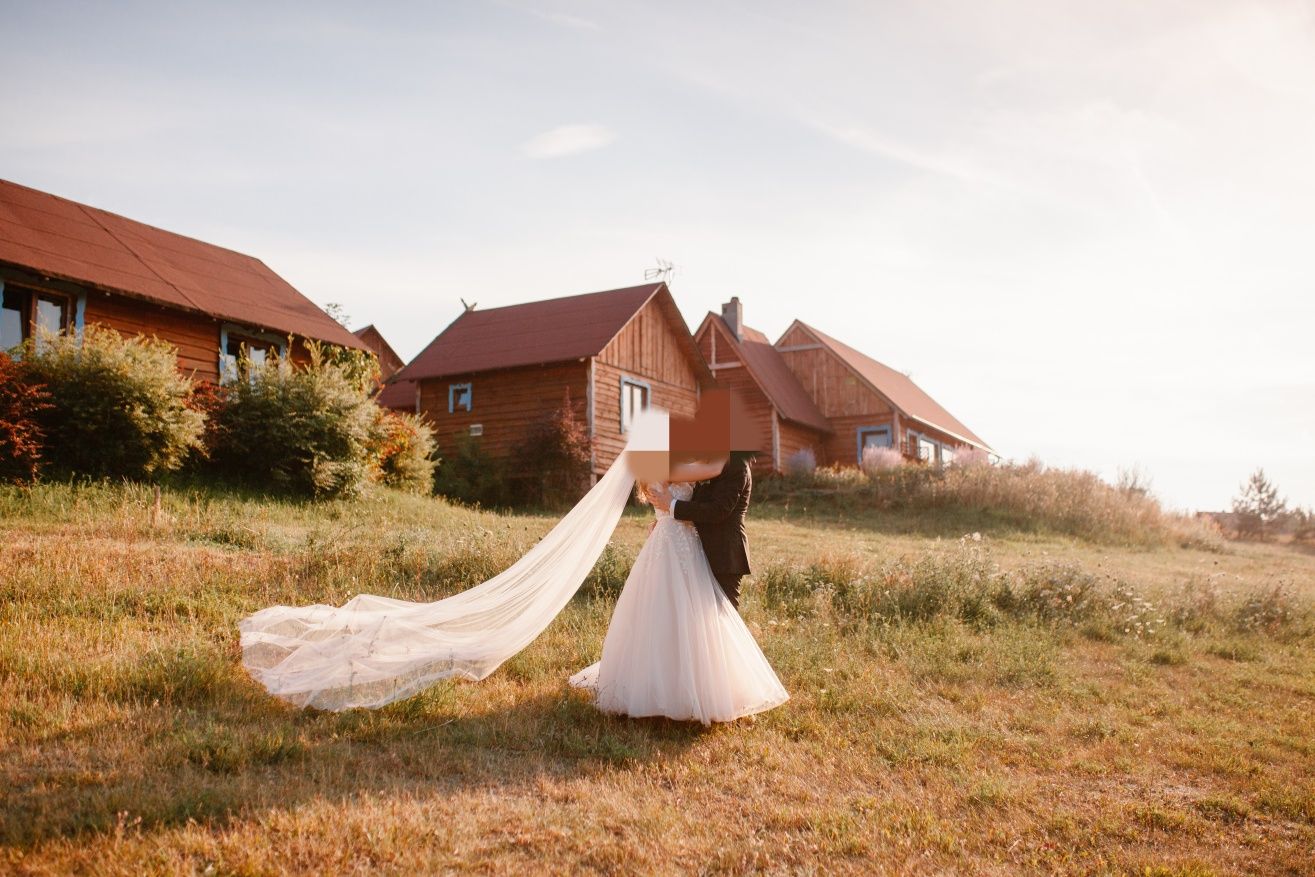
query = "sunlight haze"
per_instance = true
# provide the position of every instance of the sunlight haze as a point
(1085, 229)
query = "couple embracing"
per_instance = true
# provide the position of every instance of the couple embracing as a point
(676, 646)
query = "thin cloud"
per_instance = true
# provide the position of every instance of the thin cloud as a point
(568, 140)
(563, 20)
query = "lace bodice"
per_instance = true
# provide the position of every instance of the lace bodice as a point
(679, 490)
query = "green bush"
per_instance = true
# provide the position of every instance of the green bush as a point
(406, 454)
(118, 405)
(470, 475)
(555, 464)
(309, 429)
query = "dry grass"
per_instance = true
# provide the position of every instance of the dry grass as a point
(953, 711)
(1022, 497)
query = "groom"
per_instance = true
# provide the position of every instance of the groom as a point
(718, 506)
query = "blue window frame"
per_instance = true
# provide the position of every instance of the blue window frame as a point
(459, 397)
(260, 347)
(634, 399)
(872, 437)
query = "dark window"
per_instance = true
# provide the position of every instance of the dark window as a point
(243, 355)
(25, 311)
(634, 399)
(458, 398)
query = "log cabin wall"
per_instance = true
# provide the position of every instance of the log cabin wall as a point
(795, 437)
(647, 349)
(717, 340)
(506, 404)
(843, 398)
(196, 336)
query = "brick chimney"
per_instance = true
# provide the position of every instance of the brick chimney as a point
(733, 314)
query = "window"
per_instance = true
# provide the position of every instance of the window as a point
(926, 449)
(872, 437)
(947, 455)
(634, 399)
(26, 311)
(458, 398)
(244, 355)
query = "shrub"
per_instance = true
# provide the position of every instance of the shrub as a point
(801, 462)
(469, 474)
(21, 437)
(406, 452)
(877, 460)
(557, 456)
(118, 405)
(1026, 496)
(307, 428)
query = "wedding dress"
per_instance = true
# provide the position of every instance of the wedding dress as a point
(374, 650)
(676, 647)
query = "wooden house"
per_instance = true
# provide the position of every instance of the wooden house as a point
(867, 403)
(494, 373)
(389, 362)
(744, 361)
(65, 265)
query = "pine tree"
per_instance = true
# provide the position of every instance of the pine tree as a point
(1258, 507)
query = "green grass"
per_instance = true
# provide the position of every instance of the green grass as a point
(1016, 704)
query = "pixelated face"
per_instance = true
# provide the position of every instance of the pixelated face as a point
(720, 425)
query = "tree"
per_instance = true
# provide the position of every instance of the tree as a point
(557, 456)
(1258, 507)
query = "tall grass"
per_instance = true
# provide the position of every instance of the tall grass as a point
(965, 584)
(1029, 497)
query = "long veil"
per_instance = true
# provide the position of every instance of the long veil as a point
(374, 650)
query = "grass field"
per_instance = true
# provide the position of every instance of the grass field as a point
(1020, 704)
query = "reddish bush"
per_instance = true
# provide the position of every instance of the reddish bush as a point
(21, 437)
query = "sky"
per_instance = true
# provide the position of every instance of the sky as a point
(1087, 229)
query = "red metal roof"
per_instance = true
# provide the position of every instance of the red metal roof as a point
(770, 371)
(398, 395)
(60, 238)
(898, 388)
(535, 333)
(389, 361)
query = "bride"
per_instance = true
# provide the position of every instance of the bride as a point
(675, 647)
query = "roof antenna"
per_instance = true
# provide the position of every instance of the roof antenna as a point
(663, 272)
(470, 306)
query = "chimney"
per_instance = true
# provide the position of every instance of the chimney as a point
(733, 314)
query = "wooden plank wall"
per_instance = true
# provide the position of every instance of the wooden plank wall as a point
(742, 383)
(843, 398)
(507, 402)
(649, 350)
(196, 336)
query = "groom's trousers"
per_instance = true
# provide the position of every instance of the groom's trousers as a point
(730, 585)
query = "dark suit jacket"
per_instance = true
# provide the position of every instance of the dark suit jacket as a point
(716, 509)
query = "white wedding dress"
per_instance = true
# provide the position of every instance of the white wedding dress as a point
(676, 647)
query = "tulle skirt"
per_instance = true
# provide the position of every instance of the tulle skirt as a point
(676, 647)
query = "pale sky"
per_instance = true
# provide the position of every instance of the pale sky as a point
(1087, 229)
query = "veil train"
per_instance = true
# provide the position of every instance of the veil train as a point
(374, 650)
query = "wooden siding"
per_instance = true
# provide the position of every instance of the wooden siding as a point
(738, 380)
(507, 403)
(795, 437)
(647, 349)
(837, 391)
(609, 441)
(196, 336)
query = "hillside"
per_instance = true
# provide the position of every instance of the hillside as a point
(1016, 702)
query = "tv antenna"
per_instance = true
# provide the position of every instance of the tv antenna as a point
(662, 272)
